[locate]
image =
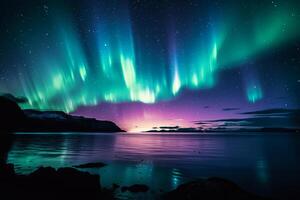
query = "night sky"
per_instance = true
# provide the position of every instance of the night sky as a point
(164, 63)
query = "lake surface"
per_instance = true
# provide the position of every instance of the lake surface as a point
(267, 164)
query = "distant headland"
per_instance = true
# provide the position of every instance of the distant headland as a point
(14, 119)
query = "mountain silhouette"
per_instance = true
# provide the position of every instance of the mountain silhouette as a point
(14, 119)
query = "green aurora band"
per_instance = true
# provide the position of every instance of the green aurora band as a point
(118, 69)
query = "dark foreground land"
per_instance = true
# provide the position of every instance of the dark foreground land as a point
(69, 183)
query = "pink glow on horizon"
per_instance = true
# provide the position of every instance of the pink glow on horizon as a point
(139, 117)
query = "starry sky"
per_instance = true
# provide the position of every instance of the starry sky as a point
(155, 64)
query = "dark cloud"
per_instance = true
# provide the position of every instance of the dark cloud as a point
(169, 127)
(185, 129)
(274, 111)
(230, 109)
(226, 120)
(271, 118)
(190, 129)
(201, 123)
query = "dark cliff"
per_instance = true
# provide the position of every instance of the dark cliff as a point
(13, 119)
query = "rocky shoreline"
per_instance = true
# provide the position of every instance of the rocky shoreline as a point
(70, 183)
(49, 183)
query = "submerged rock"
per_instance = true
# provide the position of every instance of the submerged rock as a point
(210, 189)
(63, 179)
(135, 188)
(115, 186)
(48, 183)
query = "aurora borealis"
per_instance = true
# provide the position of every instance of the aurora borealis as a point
(164, 59)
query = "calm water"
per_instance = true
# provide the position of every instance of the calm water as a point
(267, 164)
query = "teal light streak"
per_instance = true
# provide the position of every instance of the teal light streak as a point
(254, 93)
(123, 69)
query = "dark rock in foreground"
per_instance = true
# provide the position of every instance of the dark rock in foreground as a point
(135, 188)
(65, 179)
(115, 186)
(6, 142)
(48, 183)
(12, 117)
(91, 165)
(210, 189)
(69, 183)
